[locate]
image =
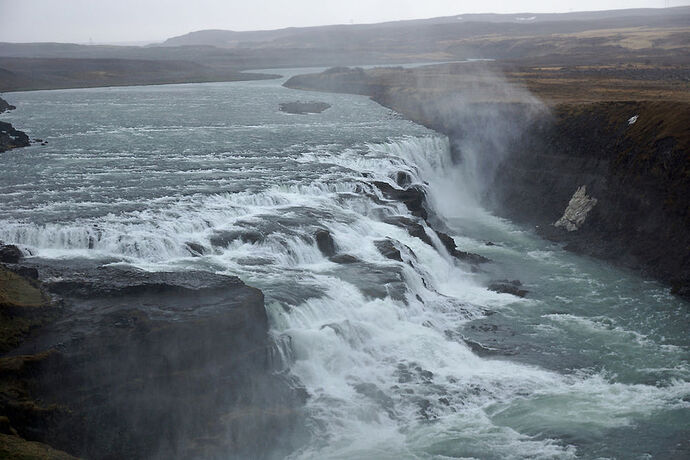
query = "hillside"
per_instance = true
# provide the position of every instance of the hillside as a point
(55, 73)
(651, 37)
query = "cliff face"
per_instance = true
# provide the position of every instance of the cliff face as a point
(139, 365)
(630, 162)
(632, 158)
(614, 174)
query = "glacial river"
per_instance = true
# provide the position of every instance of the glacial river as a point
(411, 359)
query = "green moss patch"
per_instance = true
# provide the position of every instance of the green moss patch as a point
(16, 448)
(17, 291)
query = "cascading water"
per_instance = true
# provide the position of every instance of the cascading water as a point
(584, 366)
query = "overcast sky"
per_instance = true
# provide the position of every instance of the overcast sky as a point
(113, 21)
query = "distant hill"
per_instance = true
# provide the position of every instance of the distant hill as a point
(424, 32)
(647, 36)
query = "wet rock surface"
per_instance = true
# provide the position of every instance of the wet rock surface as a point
(11, 138)
(344, 259)
(196, 249)
(5, 106)
(387, 249)
(141, 365)
(224, 238)
(414, 198)
(10, 254)
(325, 243)
(513, 287)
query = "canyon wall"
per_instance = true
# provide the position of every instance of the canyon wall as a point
(613, 174)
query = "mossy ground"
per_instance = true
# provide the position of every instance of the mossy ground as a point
(23, 307)
(13, 447)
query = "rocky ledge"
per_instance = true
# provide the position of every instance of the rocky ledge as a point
(112, 362)
(5, 106)
(10, 138)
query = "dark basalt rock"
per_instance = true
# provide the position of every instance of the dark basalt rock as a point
(5, 106)
(413, 197)
(164, 365)
(387, 249)
(195, 249)
(416, 229)
(325, 242)
(10, 254)
(11, 138)
(403, 179)
(412, 226)
(508, 287)
(26, 272)
(452, 249)
(302, 108)
(224, 238)
(344, 259)
(681, 288)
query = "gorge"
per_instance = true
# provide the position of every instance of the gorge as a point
(483, 258)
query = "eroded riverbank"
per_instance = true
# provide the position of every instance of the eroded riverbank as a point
(533, 156)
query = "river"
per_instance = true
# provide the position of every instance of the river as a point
(401, 359)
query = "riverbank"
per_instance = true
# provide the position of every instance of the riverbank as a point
(10, 138)
(32, 74)
(536, 134)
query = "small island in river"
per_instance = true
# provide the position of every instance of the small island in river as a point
(303, 108)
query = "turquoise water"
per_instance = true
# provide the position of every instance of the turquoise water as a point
(593, 363)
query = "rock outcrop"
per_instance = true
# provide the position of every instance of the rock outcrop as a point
(142, 365)
(325, 243)
(10, 138)
(513, 287)
(5, 106)
(10, 254)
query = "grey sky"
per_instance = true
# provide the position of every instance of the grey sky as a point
(153, 20)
